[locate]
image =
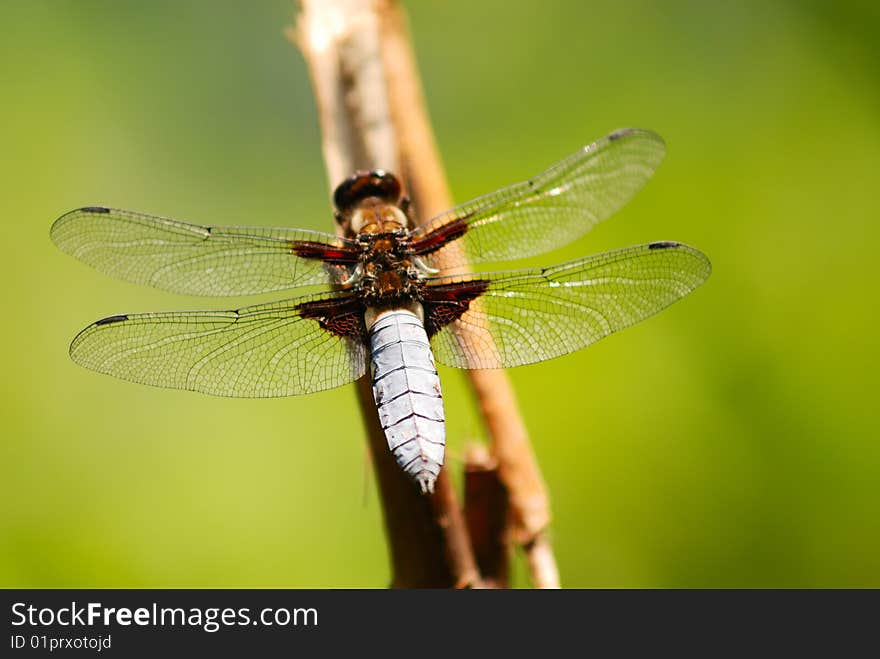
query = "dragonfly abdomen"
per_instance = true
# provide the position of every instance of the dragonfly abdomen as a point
(406, 389)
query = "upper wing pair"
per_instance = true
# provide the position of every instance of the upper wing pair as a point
(524, 219)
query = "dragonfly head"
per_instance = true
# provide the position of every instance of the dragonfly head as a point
(369, 201)
(361, 185)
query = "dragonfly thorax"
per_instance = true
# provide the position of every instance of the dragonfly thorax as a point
(374, 216)
(390, 281)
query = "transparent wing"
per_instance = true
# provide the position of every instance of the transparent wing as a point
(527, 316)
(198, 260)
(260, 351)
(548, 211)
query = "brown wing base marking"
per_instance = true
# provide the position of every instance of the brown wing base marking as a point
(440, 236)
(322, 252)
(340, 316)
(444, 303)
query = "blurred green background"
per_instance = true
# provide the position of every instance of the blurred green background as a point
(730, 441)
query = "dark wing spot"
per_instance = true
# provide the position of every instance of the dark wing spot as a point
(111, 319)
(664, 244)
(618, 134)
(94, 209)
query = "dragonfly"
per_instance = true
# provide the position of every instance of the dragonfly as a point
(396, 297)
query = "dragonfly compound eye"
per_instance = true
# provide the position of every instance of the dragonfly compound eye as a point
(362, 185)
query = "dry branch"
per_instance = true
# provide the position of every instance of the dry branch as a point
(340, 40)
(373, 116)
(487, 513)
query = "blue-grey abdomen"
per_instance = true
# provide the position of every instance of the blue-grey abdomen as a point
(406, 389)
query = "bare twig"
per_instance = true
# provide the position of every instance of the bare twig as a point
(486, 510)
(341, 40)
(373, 116)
